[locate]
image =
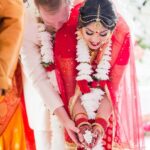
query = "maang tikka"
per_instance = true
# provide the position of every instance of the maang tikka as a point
(98, 23)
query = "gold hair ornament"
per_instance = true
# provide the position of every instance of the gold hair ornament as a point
(97, 19)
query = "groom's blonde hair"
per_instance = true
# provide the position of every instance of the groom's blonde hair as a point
(50, 4)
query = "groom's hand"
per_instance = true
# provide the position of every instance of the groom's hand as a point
(68, 124)
(73, 131)
(97, 135)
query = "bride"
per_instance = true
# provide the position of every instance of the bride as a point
(95, 74)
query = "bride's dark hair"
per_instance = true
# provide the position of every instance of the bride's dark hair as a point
(98, 9)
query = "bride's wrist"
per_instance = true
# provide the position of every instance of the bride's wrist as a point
(79, 115)
(81, 122)
(81, 119)
(101, 122)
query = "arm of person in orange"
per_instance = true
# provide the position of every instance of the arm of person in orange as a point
(11, 30)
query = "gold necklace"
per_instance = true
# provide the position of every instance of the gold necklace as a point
(93, 54)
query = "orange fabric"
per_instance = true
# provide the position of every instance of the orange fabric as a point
(8, 106)
(11, 30)
(13, 118)
(11, 124)
(13, 137)
(10, 101)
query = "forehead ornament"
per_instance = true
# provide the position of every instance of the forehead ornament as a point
(98, 23)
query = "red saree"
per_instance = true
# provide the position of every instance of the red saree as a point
(125, 128)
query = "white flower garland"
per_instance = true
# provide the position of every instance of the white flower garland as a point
(47, 56)
(91, 101)
(46, 46)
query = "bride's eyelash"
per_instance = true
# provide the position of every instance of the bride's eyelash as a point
(89, 33)
(103, 34)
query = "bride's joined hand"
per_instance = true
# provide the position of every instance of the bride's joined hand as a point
(98, 133)
(81, 134)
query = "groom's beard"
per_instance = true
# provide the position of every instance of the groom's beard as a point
(53, 36)
(51, 29)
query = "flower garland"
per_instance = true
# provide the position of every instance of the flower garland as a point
(92, 97)
(47, 56)
(46, 46)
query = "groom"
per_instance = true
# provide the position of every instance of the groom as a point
(37, 91)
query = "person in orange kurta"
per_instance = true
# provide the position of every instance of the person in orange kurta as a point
(11, 30)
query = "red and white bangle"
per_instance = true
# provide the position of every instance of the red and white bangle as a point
(82, 121)
(101, 129)
(102, 122)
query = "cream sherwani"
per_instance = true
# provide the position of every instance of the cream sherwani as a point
(40, 97)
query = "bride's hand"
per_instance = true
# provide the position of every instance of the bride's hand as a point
(81, 133)
(98, 133)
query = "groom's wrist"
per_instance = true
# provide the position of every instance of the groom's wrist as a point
(61, 113)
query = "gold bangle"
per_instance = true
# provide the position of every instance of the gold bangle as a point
(99, 127)
(75, 116)
(84, 123)
(73, 100)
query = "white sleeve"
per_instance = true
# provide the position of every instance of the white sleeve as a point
(31, 63)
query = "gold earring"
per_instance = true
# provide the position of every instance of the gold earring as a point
(79, 34)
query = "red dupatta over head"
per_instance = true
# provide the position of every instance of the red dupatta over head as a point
(125, 130)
